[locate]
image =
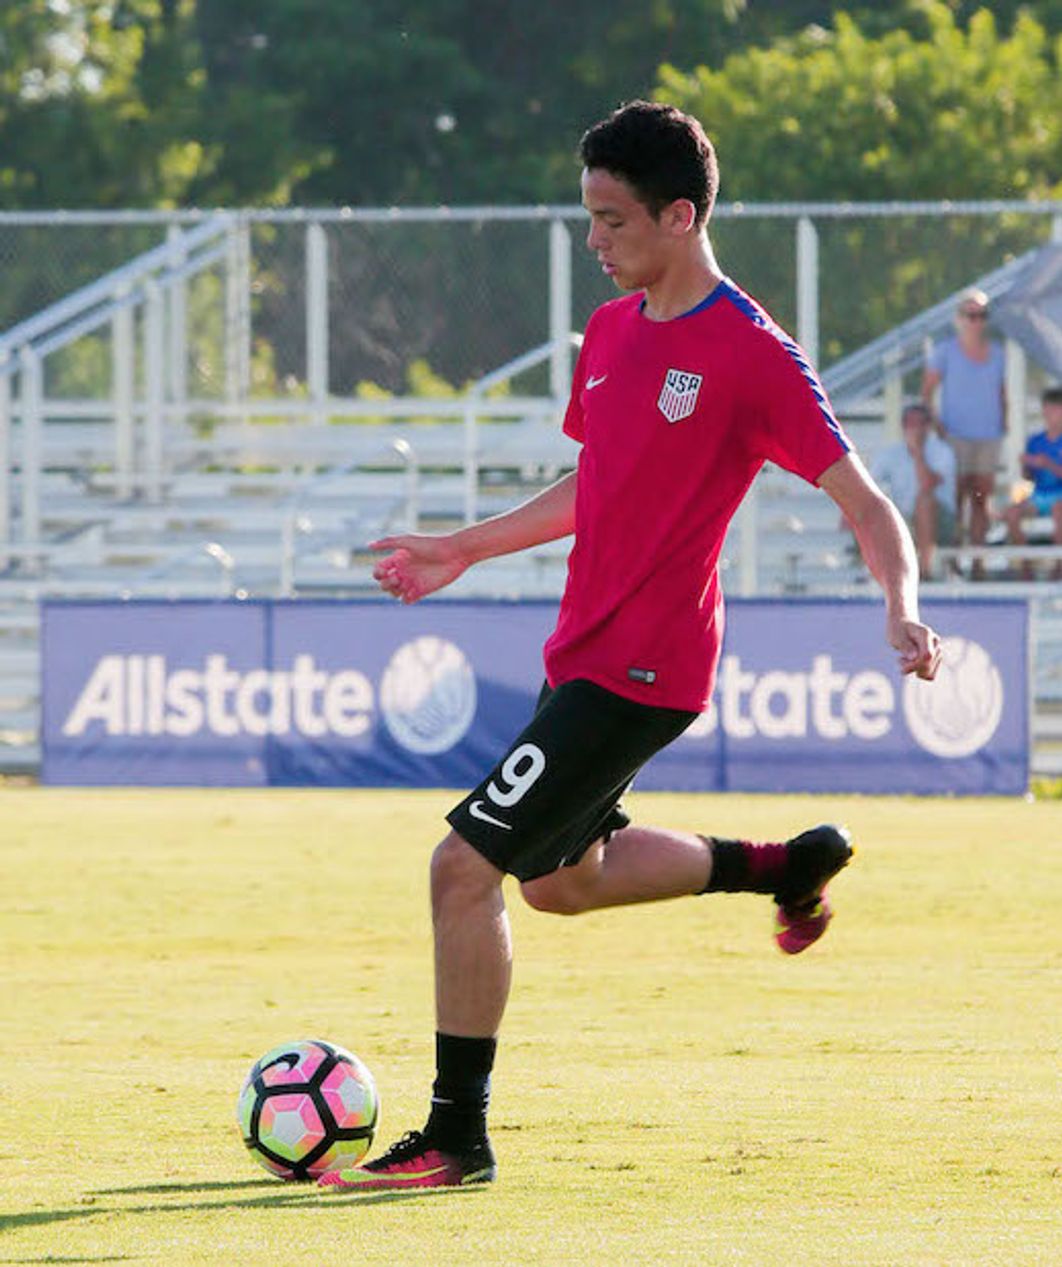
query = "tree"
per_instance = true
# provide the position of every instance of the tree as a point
(98, 103)
(966, 113)
(420, 101)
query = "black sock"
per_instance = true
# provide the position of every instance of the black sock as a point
(461, 1092)
(739, 866)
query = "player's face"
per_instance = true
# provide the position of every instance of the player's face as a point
(632, 247)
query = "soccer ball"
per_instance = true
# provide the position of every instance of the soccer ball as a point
(307, 1107)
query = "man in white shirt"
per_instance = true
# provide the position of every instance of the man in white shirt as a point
(918, 473)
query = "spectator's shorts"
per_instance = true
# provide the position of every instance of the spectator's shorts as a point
(975, 457)
(558, 788)
(1045, 503)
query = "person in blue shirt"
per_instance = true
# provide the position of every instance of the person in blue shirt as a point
(969, 370)
(1042, 464)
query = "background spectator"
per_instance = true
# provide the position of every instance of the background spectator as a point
(918, 473)
(1041, 463)
(969, 370)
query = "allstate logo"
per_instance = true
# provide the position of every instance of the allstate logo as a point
(958, 712)
(428, 695)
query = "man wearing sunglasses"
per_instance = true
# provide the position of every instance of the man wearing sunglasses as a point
(968, 368)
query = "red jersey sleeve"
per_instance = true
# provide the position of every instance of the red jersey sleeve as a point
(798, 429)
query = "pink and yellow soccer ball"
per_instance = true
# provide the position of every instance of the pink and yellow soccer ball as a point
(308, 1107)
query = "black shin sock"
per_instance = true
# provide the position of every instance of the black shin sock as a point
(461, 1092)
(739, 866)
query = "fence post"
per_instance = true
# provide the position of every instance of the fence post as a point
(177, 359)
(560, 310)
(122, 376)
(471, 458)
(237, 316)
(1017, 388)
(31, 393)
(317, 319)
(807, 296)
(154, 388)
(5, 461)
(892, 393)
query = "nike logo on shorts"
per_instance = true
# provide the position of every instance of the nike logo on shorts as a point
(477, 811)
(592, 382)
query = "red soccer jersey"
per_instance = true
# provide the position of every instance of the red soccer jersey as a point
(675, 418)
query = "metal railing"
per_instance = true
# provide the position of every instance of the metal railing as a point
(146, 282)
(476, 396)
(296, 522)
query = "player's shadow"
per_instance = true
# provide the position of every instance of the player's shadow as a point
(277, 1194)
(213, 1185)
(80, 1258)
(309, 1196)
(38, 1218)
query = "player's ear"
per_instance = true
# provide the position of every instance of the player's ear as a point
(680, 216)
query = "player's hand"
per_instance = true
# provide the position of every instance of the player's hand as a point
(919, 647)
(416, 565)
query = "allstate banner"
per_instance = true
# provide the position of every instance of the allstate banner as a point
(808, 696)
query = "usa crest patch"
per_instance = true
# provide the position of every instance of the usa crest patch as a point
(678, 396)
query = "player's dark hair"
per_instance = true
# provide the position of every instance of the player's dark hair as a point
(660, 152)
(1052, 396)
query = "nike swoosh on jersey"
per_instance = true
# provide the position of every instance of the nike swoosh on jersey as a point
(591, 382)
(477, 811)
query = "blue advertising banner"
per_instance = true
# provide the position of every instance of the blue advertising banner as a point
(808, 697)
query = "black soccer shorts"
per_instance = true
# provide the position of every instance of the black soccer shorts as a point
(557, 789)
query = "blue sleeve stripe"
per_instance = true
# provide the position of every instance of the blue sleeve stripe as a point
(749, 308)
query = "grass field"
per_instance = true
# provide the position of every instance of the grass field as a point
(669, 1089)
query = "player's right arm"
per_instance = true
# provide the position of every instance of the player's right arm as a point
(417, 564)
(889, 552)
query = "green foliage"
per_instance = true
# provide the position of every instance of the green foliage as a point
(107, 103)
(99, 103)
(932, 110)
(963, 113)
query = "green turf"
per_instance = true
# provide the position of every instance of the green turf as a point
(669, 1088)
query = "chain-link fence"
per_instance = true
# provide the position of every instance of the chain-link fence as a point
(418, 302)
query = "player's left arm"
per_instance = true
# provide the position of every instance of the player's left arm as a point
(889, 553)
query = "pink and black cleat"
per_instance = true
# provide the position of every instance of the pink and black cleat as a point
(803, 913)
(415, 1163)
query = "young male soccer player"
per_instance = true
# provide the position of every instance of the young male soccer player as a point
(682, 390)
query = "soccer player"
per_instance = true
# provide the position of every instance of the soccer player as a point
(682, 389)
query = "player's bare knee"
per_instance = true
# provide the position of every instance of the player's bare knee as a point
(559, 893)
(458, 871)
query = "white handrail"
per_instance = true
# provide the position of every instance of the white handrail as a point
(474, 397)
(111, 298)
(295, 522)
(104, 289)
(902, 347)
